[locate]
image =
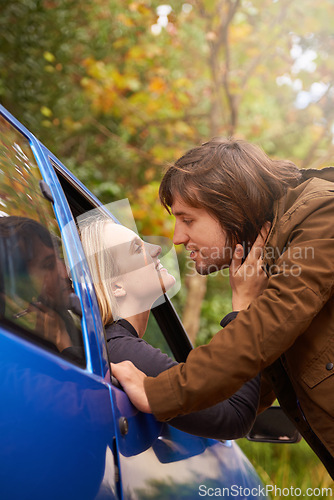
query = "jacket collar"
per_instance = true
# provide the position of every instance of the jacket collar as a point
(277, 240)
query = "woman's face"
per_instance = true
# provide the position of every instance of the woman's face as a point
(141, 272)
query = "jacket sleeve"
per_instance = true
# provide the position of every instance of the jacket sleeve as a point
(229, 419)
(301, 285)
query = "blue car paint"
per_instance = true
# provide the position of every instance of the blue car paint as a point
(60, 424)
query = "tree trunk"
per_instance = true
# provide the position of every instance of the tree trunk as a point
(219, 118)
(196, 288)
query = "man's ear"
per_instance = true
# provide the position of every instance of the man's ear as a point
(118, 290)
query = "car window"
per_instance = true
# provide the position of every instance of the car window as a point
(79, 205)
(155, 337)
(35, 289)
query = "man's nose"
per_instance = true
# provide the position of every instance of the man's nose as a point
(61, 268)
(179, 236)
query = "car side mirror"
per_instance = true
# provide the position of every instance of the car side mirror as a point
(273, 426)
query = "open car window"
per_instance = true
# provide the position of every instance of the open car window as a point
(35, 289)
(165, 330)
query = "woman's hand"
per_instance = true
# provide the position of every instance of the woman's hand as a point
(132, 381)
(248, 279)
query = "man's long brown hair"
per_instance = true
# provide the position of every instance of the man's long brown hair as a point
(233, 180)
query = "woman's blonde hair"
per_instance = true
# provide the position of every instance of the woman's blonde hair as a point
(102, 264)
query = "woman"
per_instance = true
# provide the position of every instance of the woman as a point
(128, 278)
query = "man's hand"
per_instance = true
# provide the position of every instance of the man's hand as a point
(132, 381)
(247, 279)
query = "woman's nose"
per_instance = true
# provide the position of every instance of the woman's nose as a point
(153, 250)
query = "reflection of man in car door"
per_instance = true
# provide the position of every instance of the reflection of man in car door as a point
(49, 274)
(34, 282)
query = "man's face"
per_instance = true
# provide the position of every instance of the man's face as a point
(49, 275)
(202, 235)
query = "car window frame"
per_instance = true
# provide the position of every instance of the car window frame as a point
(165, 314)
(40, 189)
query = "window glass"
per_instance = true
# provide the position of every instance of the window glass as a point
(155, 337)
(80, 205)
(34, 285)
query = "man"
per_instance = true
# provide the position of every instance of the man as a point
(34, 285)
(221, 194)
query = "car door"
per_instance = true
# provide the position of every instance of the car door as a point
(57, 423)
(80, 435)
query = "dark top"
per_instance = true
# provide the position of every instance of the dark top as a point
(230, 419)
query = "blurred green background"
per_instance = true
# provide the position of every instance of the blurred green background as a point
(119, 89)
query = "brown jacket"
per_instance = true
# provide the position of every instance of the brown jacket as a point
(287, 333)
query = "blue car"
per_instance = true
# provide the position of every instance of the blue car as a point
(68, 431)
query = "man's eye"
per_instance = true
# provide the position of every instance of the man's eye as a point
(49, 267)
(187, 221)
